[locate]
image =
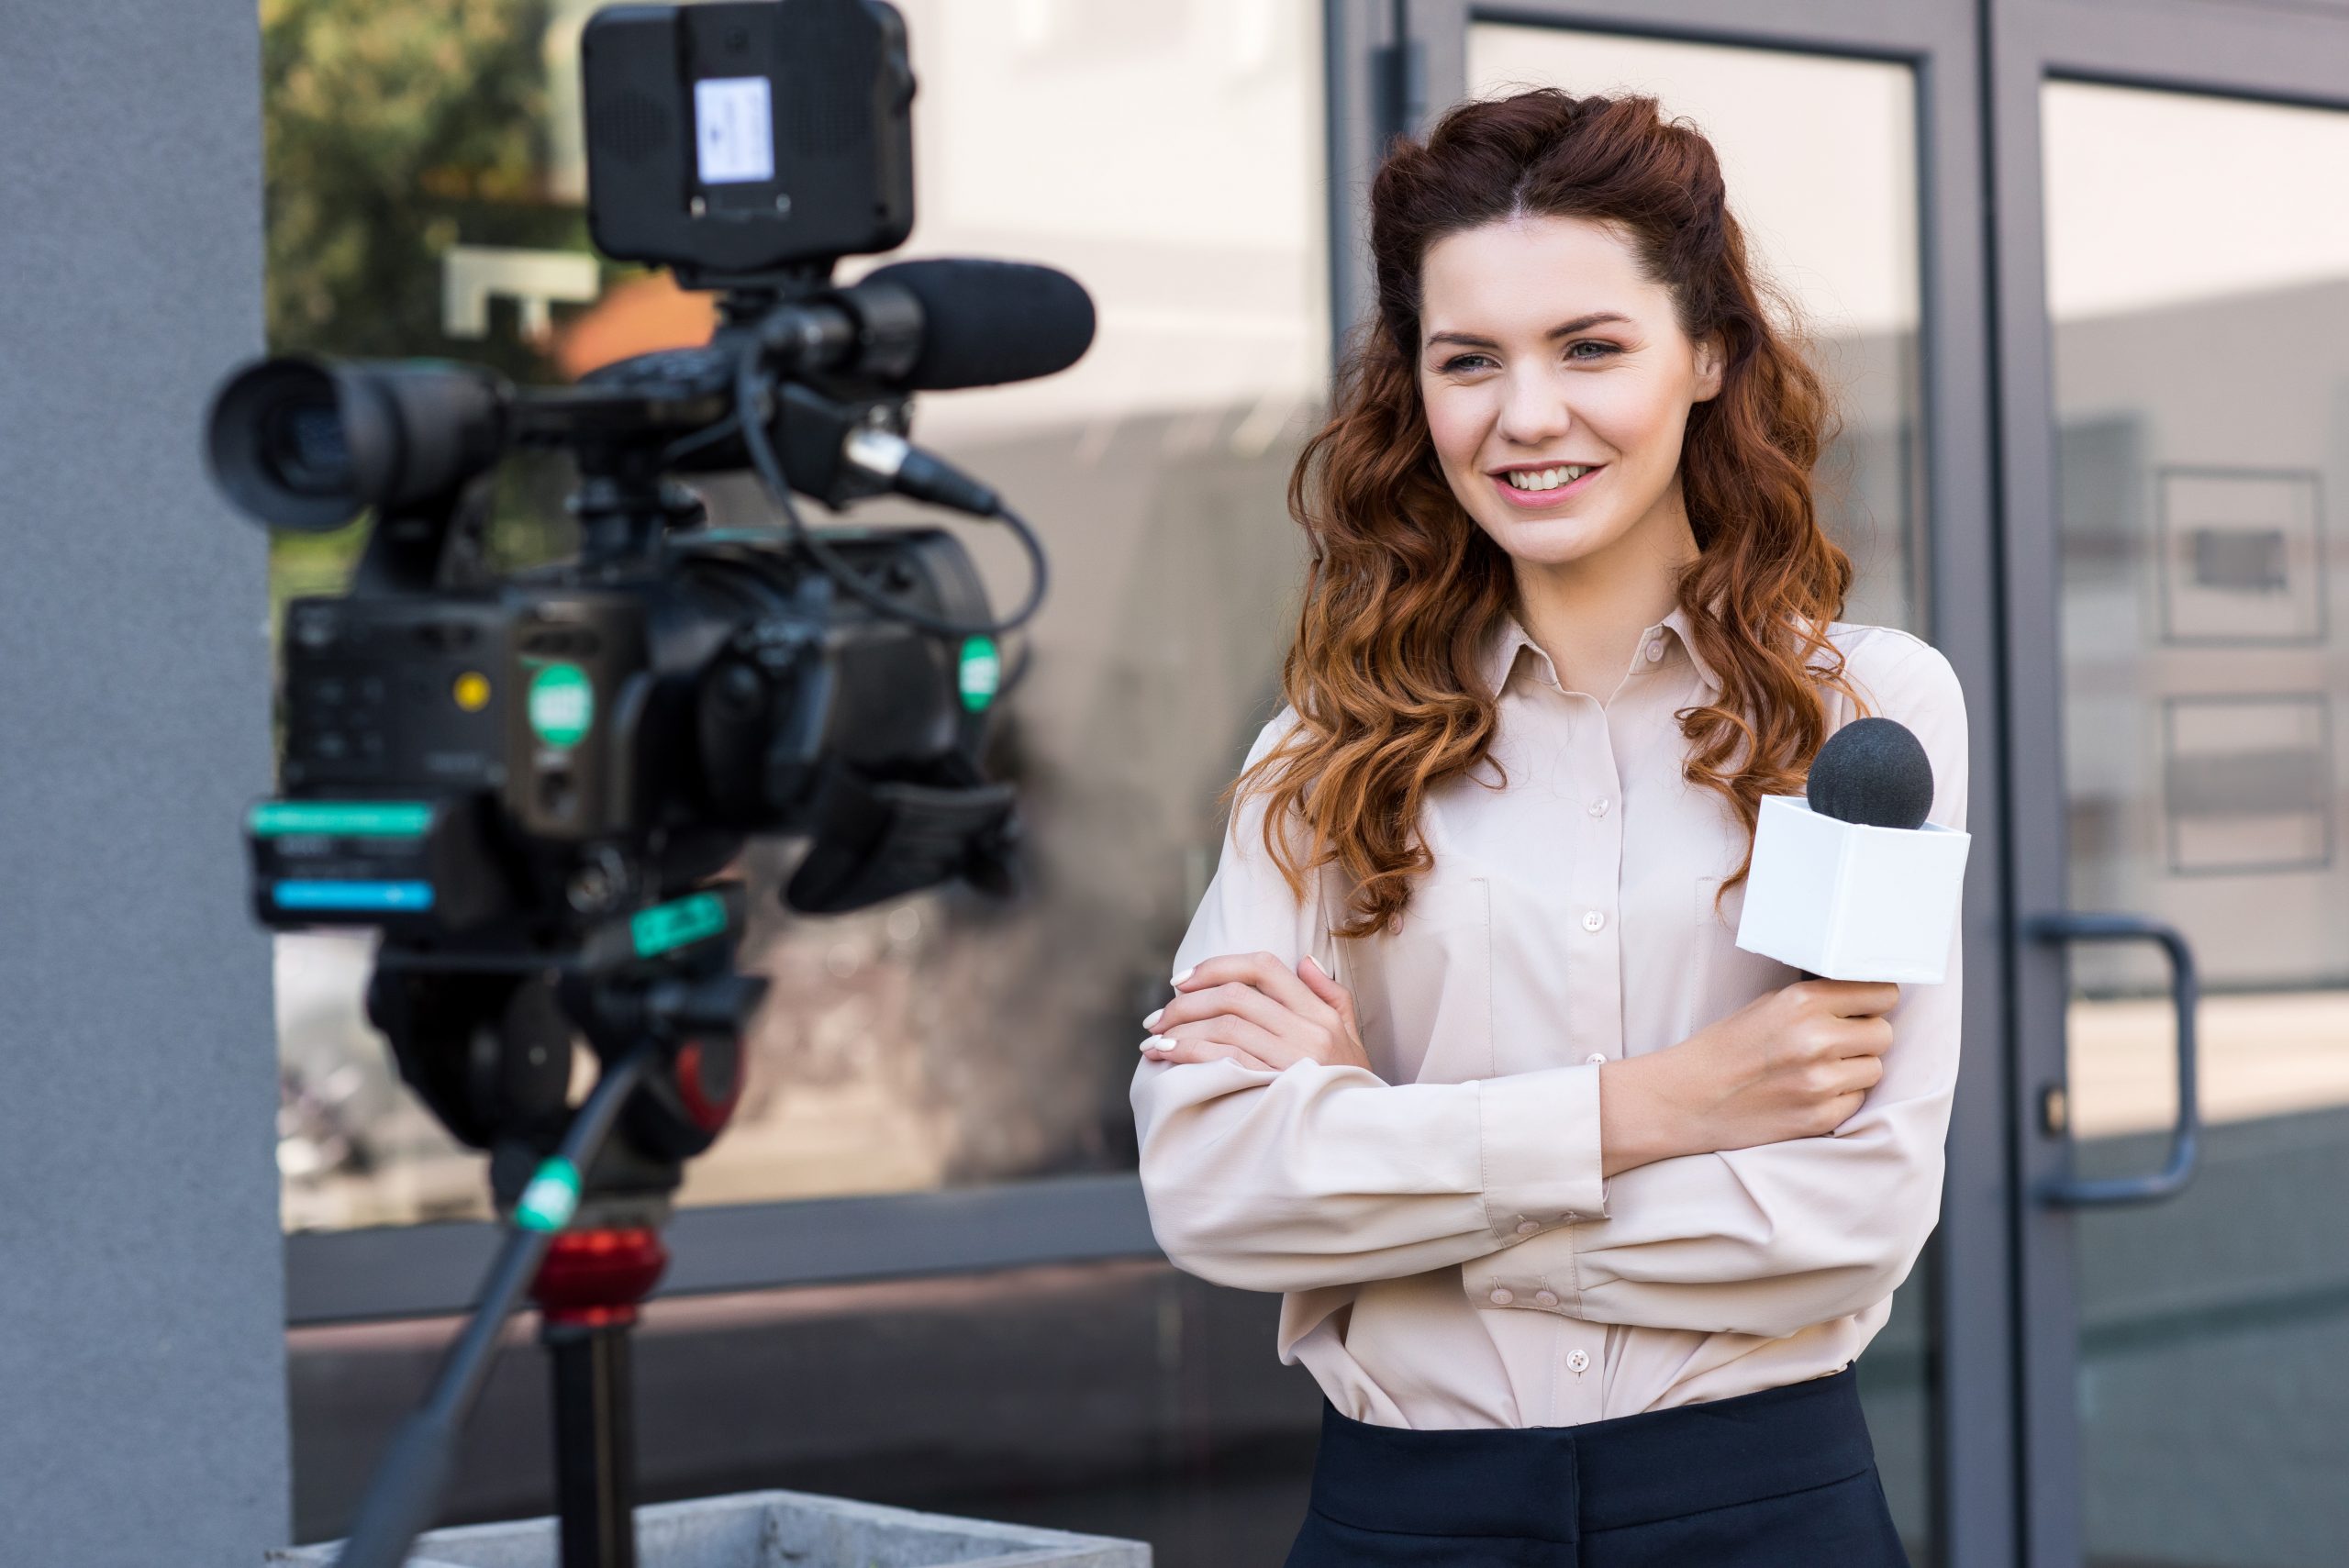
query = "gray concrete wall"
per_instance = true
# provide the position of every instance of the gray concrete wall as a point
(143, 1404)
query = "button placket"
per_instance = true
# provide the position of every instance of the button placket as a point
(1594, 967)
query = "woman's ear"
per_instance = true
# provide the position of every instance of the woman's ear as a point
(1711, 355)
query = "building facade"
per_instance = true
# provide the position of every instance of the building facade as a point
(2080, 274)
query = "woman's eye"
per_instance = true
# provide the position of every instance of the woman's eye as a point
(1460, 363)
(1604, 350)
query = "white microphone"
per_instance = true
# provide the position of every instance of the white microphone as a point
(1852, 882)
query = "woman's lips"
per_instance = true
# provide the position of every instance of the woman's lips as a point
(1537, 500)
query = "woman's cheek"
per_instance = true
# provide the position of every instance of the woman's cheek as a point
(1452, 426)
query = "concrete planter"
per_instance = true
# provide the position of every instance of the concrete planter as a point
(769, 1530)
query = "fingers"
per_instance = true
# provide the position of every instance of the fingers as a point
(1177, 1050)
(1233, 999)
(1868, 1036)
(1857, 1074)
(1855, 998)
(1266, 1045)
(1325, 985)
(1265, 971)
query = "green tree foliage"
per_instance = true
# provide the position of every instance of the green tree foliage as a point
(393, 131)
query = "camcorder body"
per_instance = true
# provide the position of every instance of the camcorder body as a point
(526, 782)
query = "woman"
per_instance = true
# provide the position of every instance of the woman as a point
(1582, 1212)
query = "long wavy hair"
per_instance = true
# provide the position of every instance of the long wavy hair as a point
(1404, 591)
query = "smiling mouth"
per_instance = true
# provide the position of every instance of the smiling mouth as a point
(1541, 485)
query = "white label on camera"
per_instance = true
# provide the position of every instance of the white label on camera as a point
(734, 120)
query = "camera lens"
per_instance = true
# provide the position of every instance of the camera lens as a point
(303, 448)
(304, 444)
(279, 448)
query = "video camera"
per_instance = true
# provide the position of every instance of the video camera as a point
(527, 782)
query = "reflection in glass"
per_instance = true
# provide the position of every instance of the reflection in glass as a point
(425, 179)
(2202, 402)
(1819, 158)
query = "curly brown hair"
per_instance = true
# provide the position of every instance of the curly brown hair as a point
(1403, 590)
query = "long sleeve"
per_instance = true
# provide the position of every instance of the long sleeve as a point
(1318, 1175)
(1774, 1239)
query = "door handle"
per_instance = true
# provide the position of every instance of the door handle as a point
(2184, 989)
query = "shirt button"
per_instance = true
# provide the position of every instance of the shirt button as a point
(1526, 1227)
(1592, 920)
(1595, 1059)
(1548, 1298)
(1577, 1361)
(1655, 650)
(1599, 806)
(1501, 1298)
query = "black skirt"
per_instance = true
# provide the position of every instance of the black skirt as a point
(1784, 1478)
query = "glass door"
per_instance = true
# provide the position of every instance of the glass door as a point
(2198, 309)
(2175, 377)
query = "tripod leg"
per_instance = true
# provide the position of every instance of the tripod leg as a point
(594, 1438)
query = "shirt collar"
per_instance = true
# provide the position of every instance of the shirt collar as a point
(1500, 658)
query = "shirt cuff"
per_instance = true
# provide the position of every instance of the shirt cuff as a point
(1541, 1162)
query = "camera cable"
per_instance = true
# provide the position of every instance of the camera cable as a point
(753, 387)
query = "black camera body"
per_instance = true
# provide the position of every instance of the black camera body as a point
(736, 141)
(541, 753)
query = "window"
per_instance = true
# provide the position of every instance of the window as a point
(425, 189)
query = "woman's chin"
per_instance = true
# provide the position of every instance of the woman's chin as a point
(1547, 542)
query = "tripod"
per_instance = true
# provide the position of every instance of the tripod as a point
(585, 1239)
(587, 1290)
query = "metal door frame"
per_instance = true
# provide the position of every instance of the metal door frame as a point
(1393, 64)
(2267, 53)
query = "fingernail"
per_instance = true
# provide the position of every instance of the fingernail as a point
(1317, 967)
(1151, 1022)
(1155, 1043)
(1186, 975)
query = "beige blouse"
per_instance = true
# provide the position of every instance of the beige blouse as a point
(1450, 1254)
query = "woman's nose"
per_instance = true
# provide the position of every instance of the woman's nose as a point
(1534, 413)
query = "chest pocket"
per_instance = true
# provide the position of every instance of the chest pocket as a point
(1423, 993)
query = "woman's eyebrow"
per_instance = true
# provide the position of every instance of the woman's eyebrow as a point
(1563, 329)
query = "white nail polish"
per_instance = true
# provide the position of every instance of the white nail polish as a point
(1184, 976)
(1156, 1042)
(1151, 1022)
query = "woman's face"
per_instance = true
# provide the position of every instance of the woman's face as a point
(1557, 383)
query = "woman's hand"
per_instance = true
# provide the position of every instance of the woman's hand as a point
(1795, 1063)
(1249, 1008)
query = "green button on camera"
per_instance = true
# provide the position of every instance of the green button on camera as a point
(562, 704)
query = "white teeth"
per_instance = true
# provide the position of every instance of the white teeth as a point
(1544, 478)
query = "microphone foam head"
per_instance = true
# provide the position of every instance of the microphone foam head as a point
(1872, 772)
(988, 322)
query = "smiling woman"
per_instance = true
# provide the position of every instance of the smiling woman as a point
(1463, 1057)
(1537, 417)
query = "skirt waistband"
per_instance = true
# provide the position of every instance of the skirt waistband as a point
(1558, 1483)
